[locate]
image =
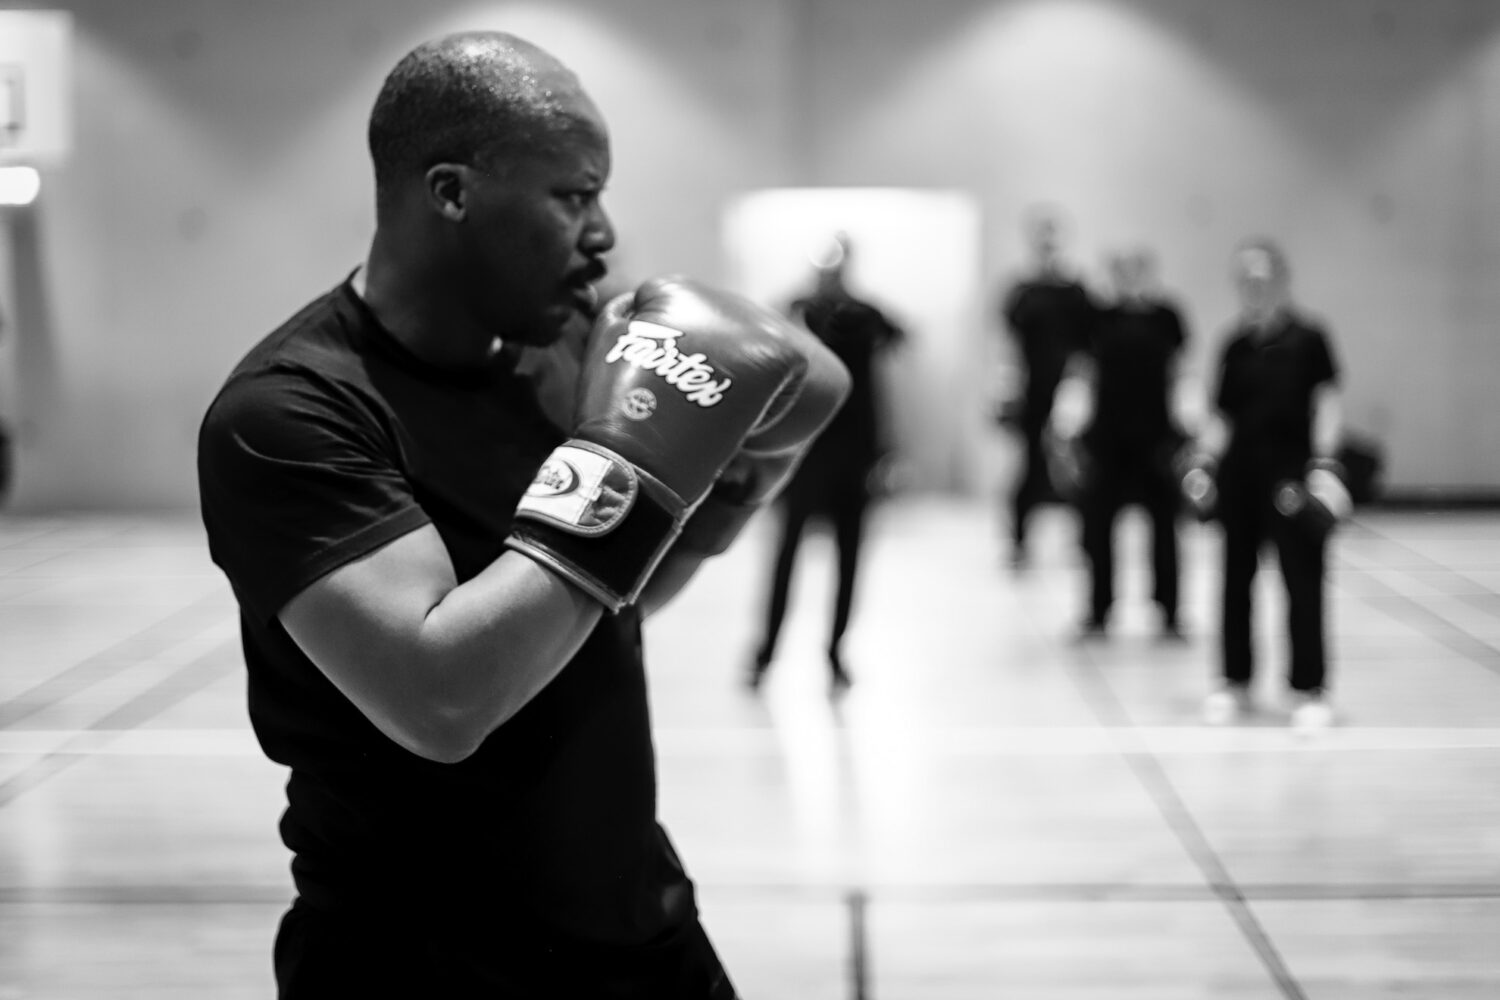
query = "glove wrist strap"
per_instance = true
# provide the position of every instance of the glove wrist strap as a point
(1326, 464)
(598, 521)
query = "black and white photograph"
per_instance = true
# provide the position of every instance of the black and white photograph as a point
(750, 500)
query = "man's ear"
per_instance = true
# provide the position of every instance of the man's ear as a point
(447, 187)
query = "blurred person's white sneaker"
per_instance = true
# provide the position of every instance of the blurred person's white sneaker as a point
(1228, 704)
(1311, 713)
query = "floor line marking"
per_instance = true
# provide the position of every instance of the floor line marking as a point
(119, 656)
(1095, 689)
(205, 668)
(859, 961)
(1061, 741)
(797, 893)
(1474, 648)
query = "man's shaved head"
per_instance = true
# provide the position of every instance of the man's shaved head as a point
(489, 165)
(469, 98)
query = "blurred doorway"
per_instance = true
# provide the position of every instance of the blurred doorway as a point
(917, 255)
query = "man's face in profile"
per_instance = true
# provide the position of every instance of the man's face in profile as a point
(540, 235)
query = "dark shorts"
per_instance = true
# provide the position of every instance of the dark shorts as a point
(322, 954)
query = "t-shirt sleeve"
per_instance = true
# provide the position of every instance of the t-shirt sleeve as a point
(1225, 398)
(296, 478)
(1322, 366)
(1178, 334)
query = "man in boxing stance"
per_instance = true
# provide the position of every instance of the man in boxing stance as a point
(1273, 438)
(442, 556)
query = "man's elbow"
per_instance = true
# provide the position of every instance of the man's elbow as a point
(443, 733)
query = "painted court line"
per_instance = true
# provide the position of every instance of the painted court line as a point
(1025, 742)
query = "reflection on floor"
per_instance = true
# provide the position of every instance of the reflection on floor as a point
(994, 810)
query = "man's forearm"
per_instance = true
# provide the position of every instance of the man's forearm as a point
(1328, 422)
(436, 665)
(1213, 436)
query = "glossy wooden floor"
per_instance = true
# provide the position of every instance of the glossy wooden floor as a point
(993, 811)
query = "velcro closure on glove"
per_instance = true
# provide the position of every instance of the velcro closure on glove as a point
(598, 521)
(582, 489)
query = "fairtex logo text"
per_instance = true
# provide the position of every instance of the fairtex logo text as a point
(653, 348)
(554, 478)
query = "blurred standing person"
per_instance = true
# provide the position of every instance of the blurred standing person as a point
(1274, 433)
(1131, 358)
(1048, 313)
(834, 480)
(5, 440)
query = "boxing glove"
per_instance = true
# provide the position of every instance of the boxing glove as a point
(674, 378)
(1315, 504)
(1304, 511)
(1197, 474)
(772, 451)
(1069, 464)
(1325, 481)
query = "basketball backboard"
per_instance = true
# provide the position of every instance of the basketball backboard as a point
(36, 116)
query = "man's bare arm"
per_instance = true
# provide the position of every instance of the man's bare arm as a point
(1327, 420)
(434, 664)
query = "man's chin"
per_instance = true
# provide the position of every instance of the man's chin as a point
(576, 325)
(558, 323)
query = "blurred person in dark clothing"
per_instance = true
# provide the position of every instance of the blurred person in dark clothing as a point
(1131, 359)
(1048, 314)
(836, 479)
(1273, 440)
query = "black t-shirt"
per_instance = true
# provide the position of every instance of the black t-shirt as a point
(1267, 381)
(1050, 318)
(327, 441)
(857, 332)
(1133, 346)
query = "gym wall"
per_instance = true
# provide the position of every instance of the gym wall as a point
(218, 180)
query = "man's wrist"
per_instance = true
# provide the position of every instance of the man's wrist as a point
(1326, 463)
(598, 521)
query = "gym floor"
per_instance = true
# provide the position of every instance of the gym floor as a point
(992, 811)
